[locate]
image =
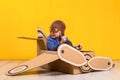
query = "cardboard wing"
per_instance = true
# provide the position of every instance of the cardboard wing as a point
(71, 55)
(44, 58)
(100, 63)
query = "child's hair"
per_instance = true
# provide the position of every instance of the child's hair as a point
(59, 25)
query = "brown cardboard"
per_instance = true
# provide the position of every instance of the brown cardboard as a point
(28, 38)
(100, 63)
(41, 45)
(35, 62)
(65, 67)
(88, 55)
(71, 55)
(41, 42)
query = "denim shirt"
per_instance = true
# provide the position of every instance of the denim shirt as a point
(52, 43)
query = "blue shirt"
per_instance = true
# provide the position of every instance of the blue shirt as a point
(52, 43)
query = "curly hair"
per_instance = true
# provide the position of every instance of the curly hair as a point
(59, 25)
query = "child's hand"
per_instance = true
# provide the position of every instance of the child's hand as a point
(79, 47)
(63, 39)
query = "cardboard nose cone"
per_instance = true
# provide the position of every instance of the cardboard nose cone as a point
(100, 63)
(71, 55)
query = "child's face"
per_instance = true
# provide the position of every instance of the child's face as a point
(55, 34)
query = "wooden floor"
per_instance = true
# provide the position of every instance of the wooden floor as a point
(41, 74)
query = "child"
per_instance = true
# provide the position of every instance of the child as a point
(57, 37)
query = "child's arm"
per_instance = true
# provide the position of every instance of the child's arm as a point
(52, 45)
(64, 39)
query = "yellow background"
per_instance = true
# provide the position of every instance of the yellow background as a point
(93, 23)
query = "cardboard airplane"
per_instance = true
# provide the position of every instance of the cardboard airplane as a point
(66, 59)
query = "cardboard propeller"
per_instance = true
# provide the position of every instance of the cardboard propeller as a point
(71, 55)
(100, 63)
(64, 53)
